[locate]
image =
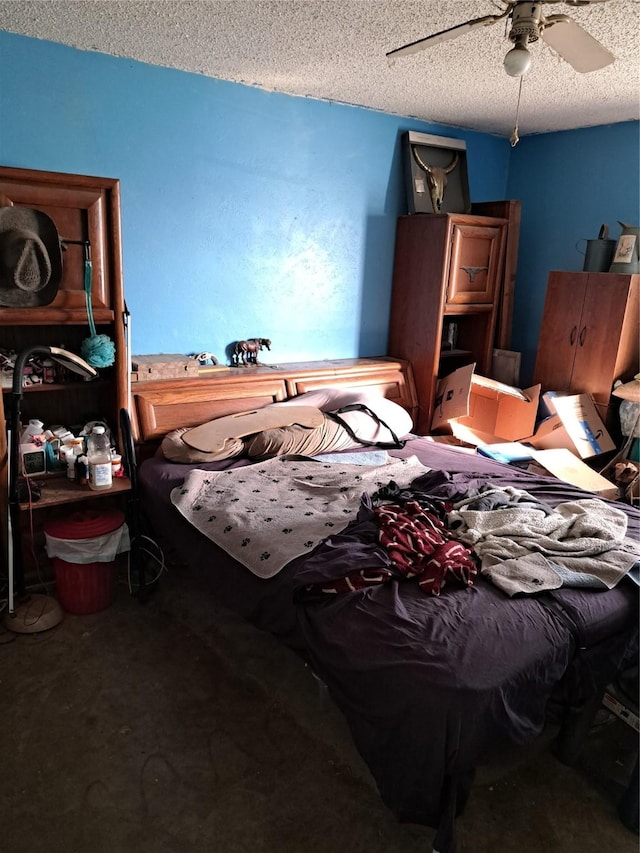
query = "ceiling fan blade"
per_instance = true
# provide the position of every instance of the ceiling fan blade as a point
(575, 45)
(444, 35)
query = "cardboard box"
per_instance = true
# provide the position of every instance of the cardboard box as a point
(622, 706)
(574, 424)
(479, 410)
(482, 411)
(163, 366)
(566, 466)
(505, 366)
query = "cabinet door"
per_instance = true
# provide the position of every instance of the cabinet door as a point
(561, 324)
(599, 335)
(476, 263)
(83, 209)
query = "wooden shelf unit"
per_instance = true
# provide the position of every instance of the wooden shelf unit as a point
(58, 490)
(83, 208)
(448, 268)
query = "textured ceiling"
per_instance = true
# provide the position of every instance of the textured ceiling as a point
(336, 51)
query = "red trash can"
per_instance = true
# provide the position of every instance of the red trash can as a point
(82, 548)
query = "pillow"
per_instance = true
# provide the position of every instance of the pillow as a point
(212, 436)
(331, 399)
(306, 441)
(331, 437)
(174, 449)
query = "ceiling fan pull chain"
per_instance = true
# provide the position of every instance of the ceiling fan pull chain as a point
(514, 138)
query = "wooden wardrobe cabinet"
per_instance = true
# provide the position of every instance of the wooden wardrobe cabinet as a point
(447, 278)
(83, 209)
(589, 336)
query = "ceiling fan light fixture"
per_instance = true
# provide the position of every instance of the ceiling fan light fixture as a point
(518, 60)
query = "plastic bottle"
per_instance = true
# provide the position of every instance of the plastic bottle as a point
(82, 470)
(71, 467)
(33, 433)
(116, 465)
(68, 458)
(99, 457)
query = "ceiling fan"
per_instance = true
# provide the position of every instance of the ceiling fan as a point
(528, 24)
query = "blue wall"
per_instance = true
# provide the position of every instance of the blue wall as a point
(244, 213)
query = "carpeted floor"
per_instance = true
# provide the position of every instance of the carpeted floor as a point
(173, 727)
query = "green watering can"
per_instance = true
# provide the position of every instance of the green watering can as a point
(626, 258)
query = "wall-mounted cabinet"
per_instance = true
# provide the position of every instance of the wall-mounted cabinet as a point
(448, 270)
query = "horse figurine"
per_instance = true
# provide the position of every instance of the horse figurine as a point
(246, 352)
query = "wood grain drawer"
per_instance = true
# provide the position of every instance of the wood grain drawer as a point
(160, 408)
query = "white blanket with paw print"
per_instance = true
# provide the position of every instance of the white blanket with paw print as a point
(266, 514)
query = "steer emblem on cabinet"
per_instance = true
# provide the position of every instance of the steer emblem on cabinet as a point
(472, 272)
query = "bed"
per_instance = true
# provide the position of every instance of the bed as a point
(431, 685)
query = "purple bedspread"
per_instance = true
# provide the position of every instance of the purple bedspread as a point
(429, 685)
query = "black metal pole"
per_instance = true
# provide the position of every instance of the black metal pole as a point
(16, 557)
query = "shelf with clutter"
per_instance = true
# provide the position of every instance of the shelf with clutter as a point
(64, 332)
(54, 467)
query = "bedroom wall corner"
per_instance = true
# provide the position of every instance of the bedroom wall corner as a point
(570, 183)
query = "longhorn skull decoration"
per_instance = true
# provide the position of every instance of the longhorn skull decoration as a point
(436, 178)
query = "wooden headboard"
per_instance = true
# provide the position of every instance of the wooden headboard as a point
(159, 406)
